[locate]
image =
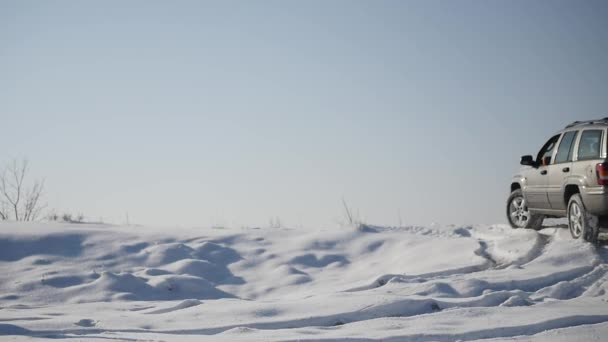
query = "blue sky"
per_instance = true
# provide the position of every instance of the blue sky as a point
(236, 112)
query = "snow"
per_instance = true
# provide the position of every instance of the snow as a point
(436, 283)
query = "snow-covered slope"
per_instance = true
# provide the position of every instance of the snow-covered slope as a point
(434, 283)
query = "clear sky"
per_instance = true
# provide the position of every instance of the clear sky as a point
(235, 112)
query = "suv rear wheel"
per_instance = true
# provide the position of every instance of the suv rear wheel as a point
(581, 222)
(519, 215)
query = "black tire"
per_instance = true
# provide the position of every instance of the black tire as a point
(517, 210)
(581, 222)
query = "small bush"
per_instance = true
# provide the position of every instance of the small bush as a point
(66, 217)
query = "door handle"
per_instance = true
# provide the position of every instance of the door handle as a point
(543, 172)
(566, 169)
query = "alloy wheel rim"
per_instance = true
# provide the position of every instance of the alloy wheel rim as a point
(576, 220)
(518, 211)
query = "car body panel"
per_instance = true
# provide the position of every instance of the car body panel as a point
(558, 178)
(535, 190)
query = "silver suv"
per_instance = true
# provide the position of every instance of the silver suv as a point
(568, 178)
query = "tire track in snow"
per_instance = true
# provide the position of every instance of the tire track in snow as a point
(430, 276)
(494, 332)
(482, 251)
(491, 333)
(563, 285)
(539, 248)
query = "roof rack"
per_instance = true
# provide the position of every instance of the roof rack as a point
(588, 122)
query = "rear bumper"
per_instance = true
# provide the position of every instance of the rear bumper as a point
(596, 200)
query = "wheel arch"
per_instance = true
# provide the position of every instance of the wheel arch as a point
(569, 191)
(515, 186)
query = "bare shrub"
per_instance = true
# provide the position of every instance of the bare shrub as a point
(52, 216)
(66, 217)
(350, 218)
(18, 200)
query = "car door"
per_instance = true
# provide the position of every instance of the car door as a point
(537, 179)
(560, 169)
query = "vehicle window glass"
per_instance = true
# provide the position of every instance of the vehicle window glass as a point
(544, 156)
(566, 147)
(589, 146)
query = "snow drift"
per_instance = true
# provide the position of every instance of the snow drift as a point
(405, 284)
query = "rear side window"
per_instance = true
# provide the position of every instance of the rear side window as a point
(566, 147)
(589, 146)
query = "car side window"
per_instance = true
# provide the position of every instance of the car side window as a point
(566, 148)
(589, 145)
(544, 156)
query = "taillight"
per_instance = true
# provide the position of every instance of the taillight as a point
(602, 173)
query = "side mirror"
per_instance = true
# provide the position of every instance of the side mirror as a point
(527, 160)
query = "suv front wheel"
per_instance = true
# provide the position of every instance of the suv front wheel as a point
(581, 222)
(519, 215)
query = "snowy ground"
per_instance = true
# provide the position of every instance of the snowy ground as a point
(436, 283)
